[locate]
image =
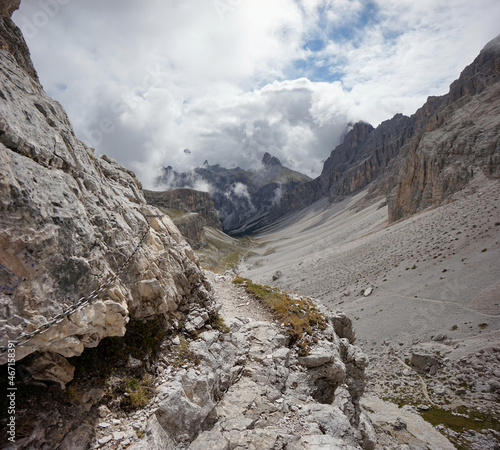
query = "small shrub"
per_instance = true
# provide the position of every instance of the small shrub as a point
(217, 323)
(483, 325)
(25, 426)
(74, 393)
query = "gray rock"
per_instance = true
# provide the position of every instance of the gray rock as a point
(78, 439)
(440, 390)
(50, 366)
(103, 411)
(440, 338)
(424, 362)
(399, 425)
(343, 326)
(213, 440)
(156, 438)
(277, 275)
(422, 407)
(118, 435)
(134, 363)
(105, 439)
(494, 385)
(197, 322)
(317, 357)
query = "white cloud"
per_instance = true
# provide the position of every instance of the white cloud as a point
(232, 79)
(240, 190)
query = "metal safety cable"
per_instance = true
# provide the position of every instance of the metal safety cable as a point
(83, 301)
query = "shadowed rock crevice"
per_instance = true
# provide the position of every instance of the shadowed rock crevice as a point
(324, 391)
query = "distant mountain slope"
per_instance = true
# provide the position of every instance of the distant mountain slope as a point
(190, 210)
(420, 160)
(242, 198)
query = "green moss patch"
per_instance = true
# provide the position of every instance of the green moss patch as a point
(461, 419)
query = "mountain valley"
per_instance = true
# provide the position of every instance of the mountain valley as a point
(358, 310)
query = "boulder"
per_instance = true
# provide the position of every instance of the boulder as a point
(425, 362)
(277, 275)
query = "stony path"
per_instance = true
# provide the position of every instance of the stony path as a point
(235, 301)
(251, 390)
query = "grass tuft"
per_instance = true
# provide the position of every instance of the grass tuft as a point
(138, 391)
(300, 315)
(217, 323)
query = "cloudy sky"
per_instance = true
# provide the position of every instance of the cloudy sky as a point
(177, 82)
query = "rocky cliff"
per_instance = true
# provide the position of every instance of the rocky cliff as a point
(70, 221)
(11, 39)
(242, 198)
(421, 160)
(190, 210)
(461, 137)
(364, 156)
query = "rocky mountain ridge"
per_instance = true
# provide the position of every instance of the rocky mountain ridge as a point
(415, 161)
(421, 160)
(459, 138)
(242, 198)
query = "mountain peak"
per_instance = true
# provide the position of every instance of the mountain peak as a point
(269, 160)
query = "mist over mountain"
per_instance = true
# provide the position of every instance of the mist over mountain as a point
(242, 198)
(415, 161)
(116, 334)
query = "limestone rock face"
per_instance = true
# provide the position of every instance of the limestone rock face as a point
(190, 210)
(12, 41)
(461, 140)
(68, 220)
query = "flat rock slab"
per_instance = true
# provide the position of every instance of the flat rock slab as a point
(385, 415)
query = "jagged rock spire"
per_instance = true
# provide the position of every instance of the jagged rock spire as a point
(269, 160)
